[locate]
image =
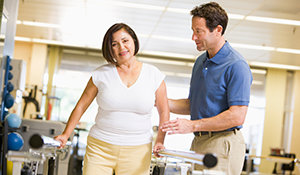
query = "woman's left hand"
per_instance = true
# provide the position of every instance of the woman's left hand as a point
(157, 147)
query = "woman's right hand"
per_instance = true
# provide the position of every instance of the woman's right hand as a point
(62, 139)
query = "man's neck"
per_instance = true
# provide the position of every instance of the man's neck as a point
(218, 45)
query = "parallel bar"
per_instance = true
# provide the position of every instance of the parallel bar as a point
(208, 160)
(38, 141)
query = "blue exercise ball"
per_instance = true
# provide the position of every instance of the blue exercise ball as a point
(14, 121)
(9, 100)
(10, 87)
(10, 76)
(15, 141)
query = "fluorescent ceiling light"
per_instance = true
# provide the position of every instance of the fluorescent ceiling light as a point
(171, 38)
(187, 11)
(254, 82)
(255, 47)
(272, 65)
(273, 20)
(142, 35)
(47, 41)
(17, 38)
(130, 5)
(235, 16)
(288, 50)
(258, 71)
(178, 10)
(54, 42)
(38, 24)
(160, 61)
(168, 54)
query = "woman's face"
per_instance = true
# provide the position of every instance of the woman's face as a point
(123, 46)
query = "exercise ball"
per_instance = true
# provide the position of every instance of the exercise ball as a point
(9, 100)
(10, 87)
(15, 141)
(14, 121)
(10, 76)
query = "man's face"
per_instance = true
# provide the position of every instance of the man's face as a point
(203, 38)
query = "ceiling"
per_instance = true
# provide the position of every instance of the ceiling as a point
(164, 26)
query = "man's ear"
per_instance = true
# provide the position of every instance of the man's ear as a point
(219, 30)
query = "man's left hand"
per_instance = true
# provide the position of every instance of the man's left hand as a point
(178, 126)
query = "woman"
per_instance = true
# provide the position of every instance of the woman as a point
(126, 90)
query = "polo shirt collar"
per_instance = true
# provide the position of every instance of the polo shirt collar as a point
(223, 52)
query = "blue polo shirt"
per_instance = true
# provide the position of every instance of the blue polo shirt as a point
(218, 83)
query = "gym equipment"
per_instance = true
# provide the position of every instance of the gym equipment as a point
(280, 159)
(46, 156)
(209, 160)
(9, 168)
(38, 141)
(31, 98)
(14, 121)
(50, 129)
(7, 99)
(189, 158)
(15, 141)
(19, 157)
(290, 166)
(10, 87)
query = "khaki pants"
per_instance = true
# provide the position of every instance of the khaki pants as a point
(102, 158)
(229, 147)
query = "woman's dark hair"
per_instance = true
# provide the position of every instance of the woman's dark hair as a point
(213, 14)
(107, 41)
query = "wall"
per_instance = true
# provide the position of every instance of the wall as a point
(23, 52)
(273, 124)
(35, 56)
(295, 144)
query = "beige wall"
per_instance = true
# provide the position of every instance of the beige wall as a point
(273, 124)
(35, 56)
(295, 144)
(23, 51)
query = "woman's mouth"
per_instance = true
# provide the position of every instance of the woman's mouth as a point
(123, 53)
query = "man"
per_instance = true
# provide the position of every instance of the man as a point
(219, 93)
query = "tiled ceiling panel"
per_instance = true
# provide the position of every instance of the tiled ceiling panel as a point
(164, 26)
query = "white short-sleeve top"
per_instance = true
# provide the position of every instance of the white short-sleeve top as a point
(124, 113)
